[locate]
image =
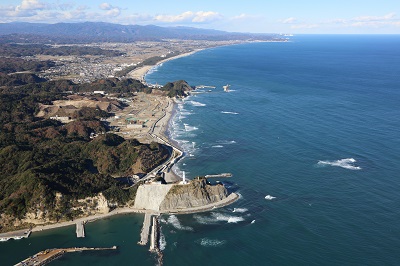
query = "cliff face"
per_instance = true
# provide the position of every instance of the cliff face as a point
(195, 194)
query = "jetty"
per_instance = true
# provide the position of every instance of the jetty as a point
(80, 229)
(48, 255)
(154, 235)
(219, 175)
(205, 87)
(16, 235)
(144, 235)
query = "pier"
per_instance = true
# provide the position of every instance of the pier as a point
(48, 255)
(16, 235)
(204, 87)
(154, 235)
(219, 175)
(144, 235)
(80, 229)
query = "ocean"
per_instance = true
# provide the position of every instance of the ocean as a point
(310, 132)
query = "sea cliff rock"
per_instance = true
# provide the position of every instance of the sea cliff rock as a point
(197, 193)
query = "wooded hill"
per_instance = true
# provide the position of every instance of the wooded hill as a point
(41, 157)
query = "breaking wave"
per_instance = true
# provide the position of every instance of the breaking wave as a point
(241, 210)
(173, 220)
(347, 163)
(226, 142)
(217, 217)
(206, 242)
(217, 146)
(162, 242)
(269, 197)
(230, 113)
(194, 103)
(190, 128)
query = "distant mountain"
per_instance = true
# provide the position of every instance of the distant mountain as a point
(105, 32)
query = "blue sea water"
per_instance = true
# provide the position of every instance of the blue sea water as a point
(312, 123)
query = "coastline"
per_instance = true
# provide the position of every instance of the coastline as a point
(160, 133)
(141, 72)
(128, 210)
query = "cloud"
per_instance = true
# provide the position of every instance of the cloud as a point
(105, 6)
(289, 20)
(111, 11)
(190, 17)
(389, 19)
(31, 5)
(245, 17)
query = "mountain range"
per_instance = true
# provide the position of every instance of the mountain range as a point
(108, 32)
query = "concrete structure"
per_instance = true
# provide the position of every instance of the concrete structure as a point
(16, 235)
(150, 196)
(64, 119)
(135, 126)
(144, 234)
(80, 229)
(154, 235)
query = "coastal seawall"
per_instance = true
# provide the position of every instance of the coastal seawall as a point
(150, 196)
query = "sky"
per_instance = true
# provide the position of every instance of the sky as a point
(256, 16)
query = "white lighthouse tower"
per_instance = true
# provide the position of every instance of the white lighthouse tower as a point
(183, 178)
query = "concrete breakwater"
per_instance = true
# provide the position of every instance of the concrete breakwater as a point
(16, 235)
(48, 255)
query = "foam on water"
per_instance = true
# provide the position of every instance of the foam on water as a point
(241, 210)
(217, 217)
(217, 146)
(226, 142)
(230, 113)
(173, 220)
(269, 197)
(227, 218)
(190, 128)
(207, 242)
(194, 103)
(347, 163)
(162, 242)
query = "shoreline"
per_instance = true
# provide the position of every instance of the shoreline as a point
(141, 72)
(162, 133)
(231, 198)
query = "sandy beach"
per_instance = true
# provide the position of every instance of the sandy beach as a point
(140, 73)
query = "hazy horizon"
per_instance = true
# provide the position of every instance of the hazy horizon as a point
(287, 16)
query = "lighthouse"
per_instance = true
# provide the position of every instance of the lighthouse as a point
(183, 178)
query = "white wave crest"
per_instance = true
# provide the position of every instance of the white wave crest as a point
(227, 218)
(217, 146)
(241, 210)
(217, 217)
(190, 128)
(162, 242)
(226, 142)
(194, 103)
(253, 221)
(230, 113)
(347, 163)
(269, 197)
(206, 242)
(173, 220)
